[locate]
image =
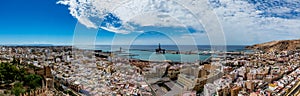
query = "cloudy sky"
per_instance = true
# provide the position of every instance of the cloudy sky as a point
(232, 22)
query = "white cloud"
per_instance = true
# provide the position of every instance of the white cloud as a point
(78, 10)
(112, 29)
(242, 22)
(132, 12)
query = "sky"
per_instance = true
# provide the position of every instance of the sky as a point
(35, 22)
(148, 22)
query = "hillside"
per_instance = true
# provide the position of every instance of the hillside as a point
(282, 45)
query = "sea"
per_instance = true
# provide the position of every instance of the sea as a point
(147, 52)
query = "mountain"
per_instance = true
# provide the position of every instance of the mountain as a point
(281, 45)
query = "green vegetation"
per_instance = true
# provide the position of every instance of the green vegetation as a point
(18, 89)
(33, 81)
(14, 74)
(10, 73)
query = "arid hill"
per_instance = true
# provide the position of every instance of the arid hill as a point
(282, 45)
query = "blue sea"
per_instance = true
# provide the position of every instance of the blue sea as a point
(147, 52)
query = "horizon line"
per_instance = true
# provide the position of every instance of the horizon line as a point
(117, 45)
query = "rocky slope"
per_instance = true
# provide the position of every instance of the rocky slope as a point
(282, 45)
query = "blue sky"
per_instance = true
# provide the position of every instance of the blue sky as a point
(35, 21)
(243, 22)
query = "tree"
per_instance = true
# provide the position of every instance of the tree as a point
(33, 81)
(9, 72)
(14, 61)
(18, 89)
